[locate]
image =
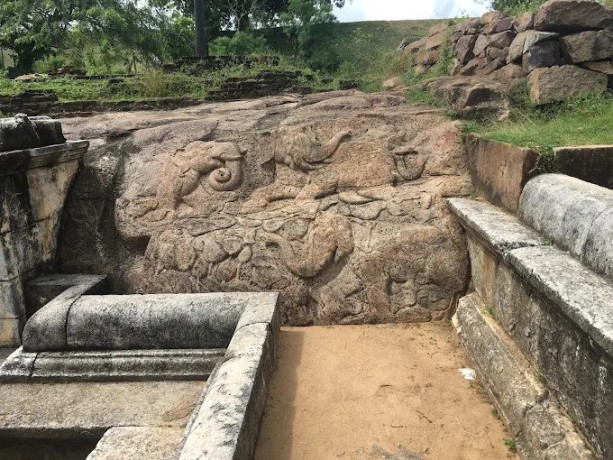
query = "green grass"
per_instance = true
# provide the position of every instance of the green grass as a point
(511, 444)
(150, 84)
(582, 121)
(383, 35)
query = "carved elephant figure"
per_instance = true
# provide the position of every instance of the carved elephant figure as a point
(220, 162)
(328, 240)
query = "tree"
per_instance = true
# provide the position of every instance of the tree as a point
(35, 29)
(302, 18)
(202, 42)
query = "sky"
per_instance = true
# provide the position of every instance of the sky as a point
(390, 10)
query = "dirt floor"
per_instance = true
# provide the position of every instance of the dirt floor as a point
(377, 392)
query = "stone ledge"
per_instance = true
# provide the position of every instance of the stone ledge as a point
(585, 297)
(500, 231)
(19, 160)
(534, 417)
(114, 366)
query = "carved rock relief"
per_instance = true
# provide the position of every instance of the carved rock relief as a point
(342, 212)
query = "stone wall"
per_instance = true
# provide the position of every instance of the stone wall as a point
(335, 200)
(564, 50)
(36, 170)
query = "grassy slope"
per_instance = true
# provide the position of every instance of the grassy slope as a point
(581, 121)
(385, 35)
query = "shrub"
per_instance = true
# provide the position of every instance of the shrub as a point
(241, 43)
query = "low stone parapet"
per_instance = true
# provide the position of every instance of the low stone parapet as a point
(558, 311)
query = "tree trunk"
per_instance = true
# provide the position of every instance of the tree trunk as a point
(202, 44)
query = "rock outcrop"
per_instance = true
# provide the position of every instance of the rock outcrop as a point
(336, 200)
(495, 47)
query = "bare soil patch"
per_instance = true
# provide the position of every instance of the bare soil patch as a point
(377, 392)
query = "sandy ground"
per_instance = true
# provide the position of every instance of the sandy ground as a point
(377, 392)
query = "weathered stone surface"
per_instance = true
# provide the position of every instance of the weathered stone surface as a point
(227, 423)
(501, 40)
(524, 22)
(130, 443)
(340, 205)
(508, 73)
(426, 57)
(499, 25)
(436, 41)
(571, 315)
(114, 366)
(481, 43)
(41, 290)
(499, 170)
(470, 26)
(585, 297)
(500, 231)
(415, 46)
(78, 410)
(476, 66)
(572, 15)
(34, 184)
(23, 132)
(535, 419)
(575, 215)
(543, 54)
(591, 163)
(525, 40)
(139, 322)
(605, 67)
(588, 46)
(559, 83)
(438, 27)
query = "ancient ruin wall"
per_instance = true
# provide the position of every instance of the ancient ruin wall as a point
(336, 201)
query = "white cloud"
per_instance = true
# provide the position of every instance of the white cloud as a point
(390, 10)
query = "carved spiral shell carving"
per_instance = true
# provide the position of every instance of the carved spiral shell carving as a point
(226, 178)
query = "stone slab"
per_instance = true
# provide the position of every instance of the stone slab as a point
(132, 443)
(590, 163)
(533, 416)
(500, 231)
(575, 215)
(585, 297)
(499, 170)
(77, 410)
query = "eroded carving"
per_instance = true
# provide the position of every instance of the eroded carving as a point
(340, 208)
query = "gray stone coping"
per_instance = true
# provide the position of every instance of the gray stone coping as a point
(534, 418)
(499, 230)
(20, 160)
(227, 423)
(576, 215)
(584, 296)
(161, 321)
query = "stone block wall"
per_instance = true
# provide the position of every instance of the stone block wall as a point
(34, 183)
(564, 49)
